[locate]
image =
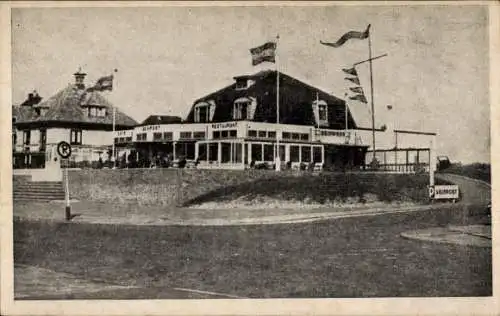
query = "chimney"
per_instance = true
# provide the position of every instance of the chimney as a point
(79, 77)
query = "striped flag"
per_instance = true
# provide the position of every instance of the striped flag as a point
(351, 71)
(266, 52)
(353, 79)
(356, 90)
(359, 97)
(349, 35)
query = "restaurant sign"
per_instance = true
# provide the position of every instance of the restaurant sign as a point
(444, 192)
(224, 125)
(150, 128)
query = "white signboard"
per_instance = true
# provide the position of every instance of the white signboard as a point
(444, 192)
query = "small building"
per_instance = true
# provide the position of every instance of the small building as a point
(76, 115)
(236, 127)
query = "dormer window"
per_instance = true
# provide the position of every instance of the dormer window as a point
(40, 111)
(204, 111)
(241, 108)
(241, 83)
(96, 111)
(320, 109)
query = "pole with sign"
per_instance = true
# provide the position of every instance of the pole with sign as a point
(64, 151)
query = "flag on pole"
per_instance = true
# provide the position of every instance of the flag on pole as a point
(356, 90)
(347, 36)
(353, 79)
(266, 52)
(359, 97)
(102, 84)
(351, 71)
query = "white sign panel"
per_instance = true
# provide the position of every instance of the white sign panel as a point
(444, 192)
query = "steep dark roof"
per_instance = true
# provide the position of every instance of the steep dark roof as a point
(68, 105)
(161, 119)
(296, 98)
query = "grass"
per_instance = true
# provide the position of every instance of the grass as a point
(324, 188)
(479, 171)
(351, 257)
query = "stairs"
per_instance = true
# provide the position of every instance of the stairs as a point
(27, 190)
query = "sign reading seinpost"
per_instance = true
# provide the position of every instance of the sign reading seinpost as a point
(444, 192)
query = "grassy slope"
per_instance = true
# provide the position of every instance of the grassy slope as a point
(361, 257)
(324, 188)
(480, 171)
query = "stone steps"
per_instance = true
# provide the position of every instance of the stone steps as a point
(38, 191)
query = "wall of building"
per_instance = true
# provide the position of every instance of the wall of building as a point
(89, 137)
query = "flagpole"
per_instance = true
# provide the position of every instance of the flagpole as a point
(114, 127)
(278, 157)
(371, 91)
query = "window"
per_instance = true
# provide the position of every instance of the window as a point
(306, 153)
(185, 135)
(252, 133)
(271, 134)
(240, 110)
(157, 136)
(322, 112)
(304, 136)
(26, 137)
(294, 153)
(262, 134)
(43, 139)
(317, 156)
(216, 134)
(257, 152)
(241, 83)
(213, 149)
(295, 136)
(286, 135)
(224, 134)
(14, 141)
(268, 152)
(128, 139)
(202, 112)
(141, 137)
(232, 133)
(167, 136)
(202, 152)
(199, 135)
(75, 137)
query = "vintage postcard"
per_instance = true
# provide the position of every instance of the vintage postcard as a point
(284, 158)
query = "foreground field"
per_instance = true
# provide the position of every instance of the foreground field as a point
(350, 257)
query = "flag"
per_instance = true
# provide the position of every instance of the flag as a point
(349, 35)
(353, 79)
(356, 89)
(103, 83)
(359, 97)
(350, 71)
(266, 52)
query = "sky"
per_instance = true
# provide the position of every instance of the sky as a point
(435, 75)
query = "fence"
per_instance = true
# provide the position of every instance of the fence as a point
(402, 160)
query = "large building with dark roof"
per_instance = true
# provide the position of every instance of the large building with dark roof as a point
(236, 127)
(80, 117)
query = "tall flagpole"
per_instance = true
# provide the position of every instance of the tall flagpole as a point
(278, 157)
(114, 123)
(371, 91)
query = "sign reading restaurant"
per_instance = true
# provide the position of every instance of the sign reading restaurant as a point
(150, 128)
(224, 125)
